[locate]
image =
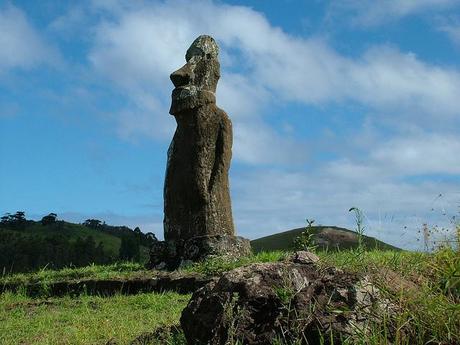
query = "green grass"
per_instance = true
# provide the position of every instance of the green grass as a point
(216, 266)
(86, 320)
(128, 270)
(114, 271)
(428, 310)
(284, 240)
(424, 286)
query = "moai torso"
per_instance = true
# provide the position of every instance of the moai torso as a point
(196, 192)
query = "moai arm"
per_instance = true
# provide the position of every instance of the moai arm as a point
(223, 153)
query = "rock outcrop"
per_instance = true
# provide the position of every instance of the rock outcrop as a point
(291, 300)
(197, 205)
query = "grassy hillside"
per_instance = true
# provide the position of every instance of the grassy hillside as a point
(27, 245)
(330, 237)
(73, 231)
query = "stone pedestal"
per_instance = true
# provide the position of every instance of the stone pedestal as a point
(200, 247)
(172, 255)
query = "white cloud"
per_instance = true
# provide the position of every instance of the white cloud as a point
(21, 45)
(143, 44)
(455, 34)
(427, 154)
(452, 29)
(136, 123)
(375, 12)
(388, 79)
(257, 143)
(400, 157)
(73, 21)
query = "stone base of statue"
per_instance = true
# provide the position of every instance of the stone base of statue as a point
(201, 247)
(174, 254)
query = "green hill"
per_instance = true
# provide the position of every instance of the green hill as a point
(73, 231)
(330, 237)
(28, 245)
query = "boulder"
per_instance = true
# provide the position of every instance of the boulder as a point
(291, 300)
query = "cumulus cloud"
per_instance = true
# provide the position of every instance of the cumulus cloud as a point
(374, 12)
(21, 45)
(257, 143)
(140, 46)
(427, 154)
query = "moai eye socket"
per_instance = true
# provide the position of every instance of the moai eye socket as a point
(208, 56)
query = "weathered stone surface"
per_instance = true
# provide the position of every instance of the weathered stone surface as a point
(197, 207)
(196, 191)
(289, 300)
(303, 257)
(171, 255)
(158, 255)
(200, 247)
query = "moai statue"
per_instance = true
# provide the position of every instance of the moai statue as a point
(197, 207)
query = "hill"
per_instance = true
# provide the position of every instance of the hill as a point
(326, 237)
(27, 245)
(73, 231)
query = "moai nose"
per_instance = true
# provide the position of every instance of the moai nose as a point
(181, 77)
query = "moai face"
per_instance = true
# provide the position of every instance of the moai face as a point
(196, 82)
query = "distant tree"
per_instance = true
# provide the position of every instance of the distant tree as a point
(149, 239)
(90, 249)
(19, 216)
(100, 255)
(4, 220)
(138, 233)
(92, 223)
(18, 220)
(79, 253)
(129, 248)
(151, 236)
(49, 219)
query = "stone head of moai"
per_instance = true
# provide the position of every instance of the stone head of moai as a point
(196, 82)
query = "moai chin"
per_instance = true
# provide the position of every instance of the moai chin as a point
(197, 207)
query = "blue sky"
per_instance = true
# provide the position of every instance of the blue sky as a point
(334, 104)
